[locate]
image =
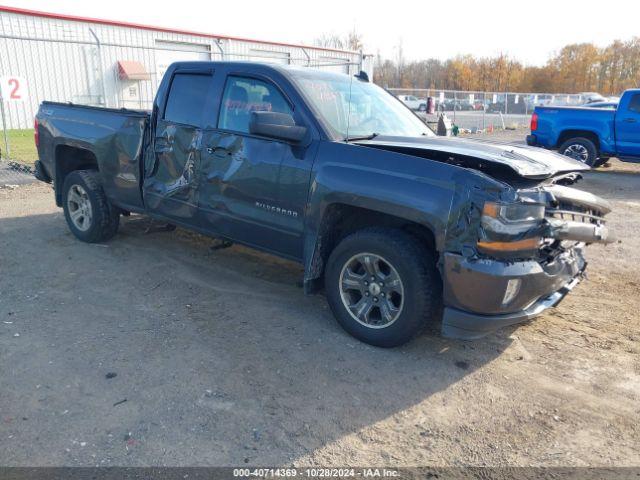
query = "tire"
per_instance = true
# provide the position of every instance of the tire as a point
(584, 150)
(422, 108)
(98, 220)
(601, 162)
(407, 313)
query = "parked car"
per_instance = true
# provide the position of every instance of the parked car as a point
(465, 104)
(414, 103)
(609, 105)
(395, 224)
(479, 105)
(591, 97)
(590, 135)
(451, 104)
(511, 107)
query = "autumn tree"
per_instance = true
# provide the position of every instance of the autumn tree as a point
(575, 68)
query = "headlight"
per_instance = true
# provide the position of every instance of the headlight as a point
(511, 218)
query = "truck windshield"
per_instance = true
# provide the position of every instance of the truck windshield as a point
(352, 108)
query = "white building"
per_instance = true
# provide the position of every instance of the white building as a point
(45, 56)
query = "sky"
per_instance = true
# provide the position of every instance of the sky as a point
(528, 31)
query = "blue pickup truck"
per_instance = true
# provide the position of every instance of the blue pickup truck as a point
(590, 135)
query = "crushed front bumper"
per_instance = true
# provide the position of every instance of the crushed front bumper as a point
(475, 291)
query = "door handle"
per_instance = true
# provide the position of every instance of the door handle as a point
(630, 120)
(212, 150)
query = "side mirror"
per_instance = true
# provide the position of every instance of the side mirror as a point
(276, 125)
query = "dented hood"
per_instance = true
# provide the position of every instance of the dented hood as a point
(527, 162)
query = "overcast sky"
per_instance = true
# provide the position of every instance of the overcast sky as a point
(529, 31)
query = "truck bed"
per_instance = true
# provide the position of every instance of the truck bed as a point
(114, 138)
(555, 122)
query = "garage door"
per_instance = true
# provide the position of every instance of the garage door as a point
(169, 52)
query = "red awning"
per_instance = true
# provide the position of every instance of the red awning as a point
(132, 70)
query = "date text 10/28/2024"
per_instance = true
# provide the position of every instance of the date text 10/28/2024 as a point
(315, 472)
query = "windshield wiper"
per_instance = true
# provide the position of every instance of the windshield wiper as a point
(364, 137)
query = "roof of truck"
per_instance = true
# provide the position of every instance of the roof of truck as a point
(287, 70)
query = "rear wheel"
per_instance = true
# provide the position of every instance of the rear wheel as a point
(382, 286)
(89, 215)
(581, 149)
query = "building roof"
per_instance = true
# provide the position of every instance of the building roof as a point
(75, 18)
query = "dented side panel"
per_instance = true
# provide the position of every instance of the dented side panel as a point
(171, 189)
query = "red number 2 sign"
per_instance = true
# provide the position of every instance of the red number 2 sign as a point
(14, 83)
(13, 89)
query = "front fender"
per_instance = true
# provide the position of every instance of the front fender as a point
(416, 189)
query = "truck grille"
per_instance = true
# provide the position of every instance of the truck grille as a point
(575, 214)
(572, 214)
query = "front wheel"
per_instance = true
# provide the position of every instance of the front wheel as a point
(382, 286)
(89, 215)
(581, 149)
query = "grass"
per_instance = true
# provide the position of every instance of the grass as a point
(22, 147)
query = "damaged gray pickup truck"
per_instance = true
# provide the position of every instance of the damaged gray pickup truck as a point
(398, 226)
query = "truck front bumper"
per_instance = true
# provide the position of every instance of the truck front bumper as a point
(482, 295)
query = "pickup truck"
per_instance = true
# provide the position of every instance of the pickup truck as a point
(413, 102)
(590, 135)
(398, 226)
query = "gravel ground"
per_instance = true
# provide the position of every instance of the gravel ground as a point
(155, 349)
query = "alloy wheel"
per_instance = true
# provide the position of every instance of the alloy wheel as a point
(577, 152)
(79, 207)
(371, 290)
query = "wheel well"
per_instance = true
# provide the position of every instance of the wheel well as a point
(567, 134)
(340, 220)
(69, 159)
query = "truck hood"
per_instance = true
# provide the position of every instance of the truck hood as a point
(521, 160)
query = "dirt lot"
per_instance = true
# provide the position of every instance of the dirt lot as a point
(221, 360)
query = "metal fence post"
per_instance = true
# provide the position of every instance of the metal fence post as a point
(218, 45)
(104, 88)
(455, 103)
(306, 54)
(484, 111)
(4, 127)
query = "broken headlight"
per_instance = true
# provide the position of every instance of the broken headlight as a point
(511, 218)
(510, 222)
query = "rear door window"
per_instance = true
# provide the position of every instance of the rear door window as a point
(634, 104)
(186, 101)
(245, 95)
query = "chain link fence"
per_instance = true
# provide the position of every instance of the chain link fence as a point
(109, 64)
(485, 111)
